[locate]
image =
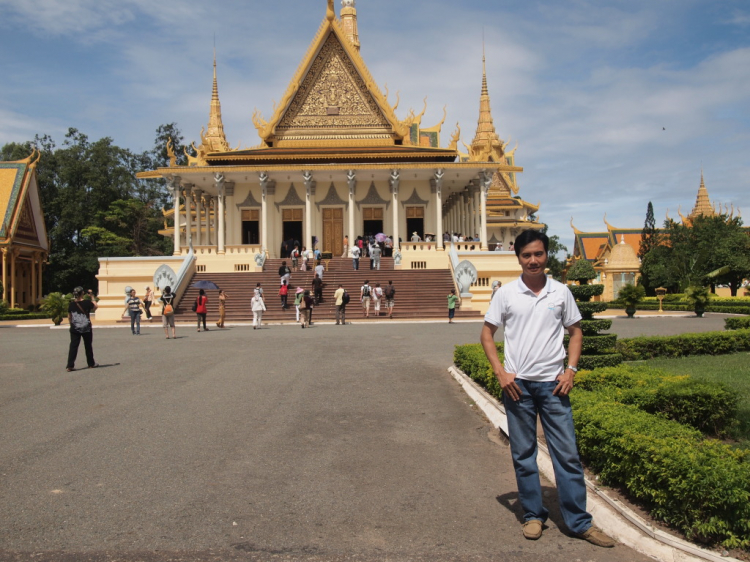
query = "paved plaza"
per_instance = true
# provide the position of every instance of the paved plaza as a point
(333, 443)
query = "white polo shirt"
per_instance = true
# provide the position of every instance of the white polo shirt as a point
(534, 327)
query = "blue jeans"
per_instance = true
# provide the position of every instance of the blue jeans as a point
(135, 322)
(557, 422)
(355, 263)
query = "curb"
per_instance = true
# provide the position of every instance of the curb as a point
(611, 515)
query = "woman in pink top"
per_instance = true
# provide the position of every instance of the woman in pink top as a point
(201, 310)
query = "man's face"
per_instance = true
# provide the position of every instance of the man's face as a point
(533, 259)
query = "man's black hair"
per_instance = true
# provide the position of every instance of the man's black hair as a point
(529, 236)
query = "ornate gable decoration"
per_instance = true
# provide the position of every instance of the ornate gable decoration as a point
(291, 199)
(26, 229)
(373, 198)
(249, 201)
(333, 95)
(415, 200)
(332, 198)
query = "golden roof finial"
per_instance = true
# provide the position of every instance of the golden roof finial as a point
(487, 145)
(330, 13)
(215, 140)
(349, 21)
(702, 202)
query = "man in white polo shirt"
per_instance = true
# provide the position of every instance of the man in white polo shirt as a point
(534, 312)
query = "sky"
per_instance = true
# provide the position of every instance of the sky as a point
(613, 103)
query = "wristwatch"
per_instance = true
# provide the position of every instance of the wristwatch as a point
(573, 368)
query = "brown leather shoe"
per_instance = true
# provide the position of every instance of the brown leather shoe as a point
(596, 537)
(532, 529)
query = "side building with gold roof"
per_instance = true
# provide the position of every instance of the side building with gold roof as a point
(23, 234)
(614, 251)
(335, 161)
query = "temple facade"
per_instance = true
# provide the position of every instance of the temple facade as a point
(23, 235)
(335, 162)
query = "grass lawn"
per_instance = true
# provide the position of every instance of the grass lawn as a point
(732, 370)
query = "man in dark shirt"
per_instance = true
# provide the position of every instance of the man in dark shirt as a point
(317, 285)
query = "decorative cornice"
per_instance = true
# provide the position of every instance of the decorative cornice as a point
(291, 199)
(415, 200)
(373, 198)
(332, 198)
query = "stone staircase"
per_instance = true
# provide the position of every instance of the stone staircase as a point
(419, 293)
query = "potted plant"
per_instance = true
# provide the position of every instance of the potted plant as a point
(698, 296)
(56, 305)
(631, 295)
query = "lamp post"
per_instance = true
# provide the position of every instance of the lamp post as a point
(660, 292)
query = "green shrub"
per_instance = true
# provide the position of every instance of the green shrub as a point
(684, 307)
(584, 293)
(593, 327)
(472, 360)
(581, 270)
(708, 343)
(699, 486)
(710, 408)
(599, 361)
(736, 323)
(588, 309)
(25, 316)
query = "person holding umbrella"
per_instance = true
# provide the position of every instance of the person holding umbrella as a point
(199, 307)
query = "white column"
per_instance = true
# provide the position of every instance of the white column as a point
(464, 214)
(188, 214)
(13, 284)
(32, 293)
(219, 215)
(209, 202)
(198, 194)
(174, 183)
(486, 181)
(231, 212)
(351, 178)
(309, 192)
(438, 184)
(264, 179)
(470, 214)
(6, 253)
(394, 183)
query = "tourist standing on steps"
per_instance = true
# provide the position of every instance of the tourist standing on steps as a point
(258, 290)
(535, 311)
(148, 298)
(295, 257)
(285, 274)
(376, 253)
(390, 295)
(355, 258)
(201, 310)
(283, 293)
(307, 308)
(365, 293)
(258, 307)
(167, 311)
(222, 308)
(453, 300)
(317, 286)
(133, 306)
(340, 305)
(298, 300)
(345, 253)
(79, 318)
(377, 297)
(320, 270)
(303, 267)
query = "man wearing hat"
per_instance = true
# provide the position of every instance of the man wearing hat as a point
(415, 237)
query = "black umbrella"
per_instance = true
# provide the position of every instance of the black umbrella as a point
(206, 285)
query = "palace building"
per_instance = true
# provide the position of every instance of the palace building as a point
(23, 235)
(336, 161)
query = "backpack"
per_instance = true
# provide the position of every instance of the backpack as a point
(390, 290)
(345, 298)
(366, 291)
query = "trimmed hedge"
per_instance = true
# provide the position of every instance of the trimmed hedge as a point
(472, 361)
(25, 316)
(710, 408)
(598, 361)
(736, 323)
(589, 308)
(707, 343)
(699, 486)
(584, 293)
(685, 307)
(595, 343)
(593, 327)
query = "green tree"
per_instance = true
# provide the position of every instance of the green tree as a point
(555, 264)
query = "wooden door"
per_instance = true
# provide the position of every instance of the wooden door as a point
(333, 231)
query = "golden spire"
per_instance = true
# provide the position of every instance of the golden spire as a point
(702, 203)
(215, 140)
(486, 145)
(330, 13)
(349, 21)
